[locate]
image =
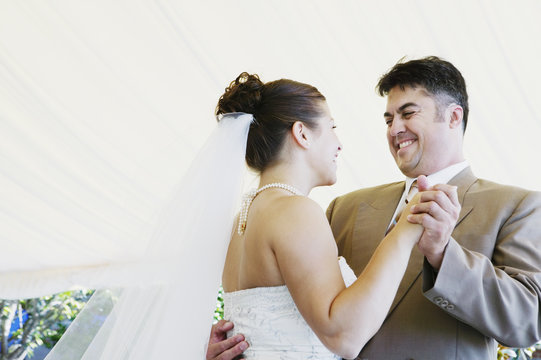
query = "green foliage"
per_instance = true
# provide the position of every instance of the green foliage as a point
(505, 353)
(219, 312)
(48, 318)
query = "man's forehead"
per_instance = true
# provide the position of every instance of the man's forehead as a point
(409, 89)
(398, 97)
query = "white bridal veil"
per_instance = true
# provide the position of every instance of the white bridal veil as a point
(160, 288)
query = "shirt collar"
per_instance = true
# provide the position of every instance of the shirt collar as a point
(441, 177)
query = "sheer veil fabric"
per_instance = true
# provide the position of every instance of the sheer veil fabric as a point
(158, 304)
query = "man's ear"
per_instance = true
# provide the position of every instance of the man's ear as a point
(456, 113)
(301, 134)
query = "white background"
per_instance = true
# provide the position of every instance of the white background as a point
(103, 104)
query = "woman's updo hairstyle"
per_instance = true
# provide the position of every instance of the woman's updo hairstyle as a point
(276, 106)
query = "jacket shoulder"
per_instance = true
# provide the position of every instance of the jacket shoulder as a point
(368, 192)
(501, 192)
(352, 199)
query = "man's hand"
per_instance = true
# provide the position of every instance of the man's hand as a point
(437, 212)
(222, 348)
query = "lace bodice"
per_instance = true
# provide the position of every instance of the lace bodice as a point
(272, 324)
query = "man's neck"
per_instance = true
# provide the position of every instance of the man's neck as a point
(444, 175)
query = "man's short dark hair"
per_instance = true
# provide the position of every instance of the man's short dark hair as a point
(439, 77)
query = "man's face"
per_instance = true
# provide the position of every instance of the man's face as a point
(420, 138)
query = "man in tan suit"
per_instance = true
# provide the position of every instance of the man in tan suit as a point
(458, 293)
(462, 292)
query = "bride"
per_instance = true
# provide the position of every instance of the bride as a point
(284, 286)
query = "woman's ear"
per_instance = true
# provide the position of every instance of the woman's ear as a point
(301, 134)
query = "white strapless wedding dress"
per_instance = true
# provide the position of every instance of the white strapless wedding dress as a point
(272, 324)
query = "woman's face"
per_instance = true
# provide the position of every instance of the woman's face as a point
(325, 148)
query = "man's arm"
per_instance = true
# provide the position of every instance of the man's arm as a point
(496, 289)
(222, 348)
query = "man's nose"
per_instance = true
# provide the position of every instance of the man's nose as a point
(397, 126)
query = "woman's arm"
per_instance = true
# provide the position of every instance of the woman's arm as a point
(343, 318)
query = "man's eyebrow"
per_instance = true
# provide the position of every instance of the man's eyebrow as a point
(400, 109)
(406, 105)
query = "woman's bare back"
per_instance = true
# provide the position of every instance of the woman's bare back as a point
(250, 260)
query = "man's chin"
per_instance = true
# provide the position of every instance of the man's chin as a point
(407, 169)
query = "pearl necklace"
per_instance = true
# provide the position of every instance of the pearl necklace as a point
(250, 196)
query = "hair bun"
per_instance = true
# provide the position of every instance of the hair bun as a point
(242, 95)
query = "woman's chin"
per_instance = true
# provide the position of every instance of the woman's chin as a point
(330, 181)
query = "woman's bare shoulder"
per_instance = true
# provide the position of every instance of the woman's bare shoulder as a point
(301, 219)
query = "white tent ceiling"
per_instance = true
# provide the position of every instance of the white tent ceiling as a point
(104, 103)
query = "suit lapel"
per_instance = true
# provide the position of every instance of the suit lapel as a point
(463, 181)
(372, 220)
(376, 217)
(414, 269)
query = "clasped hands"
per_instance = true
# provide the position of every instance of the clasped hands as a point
(437, 209)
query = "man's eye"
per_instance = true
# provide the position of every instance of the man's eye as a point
(408, 114)
(388, 122)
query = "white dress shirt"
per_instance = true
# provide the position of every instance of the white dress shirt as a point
(440, 177)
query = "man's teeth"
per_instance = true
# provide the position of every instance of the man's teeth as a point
(405, 143)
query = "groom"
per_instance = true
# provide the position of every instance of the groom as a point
(460, 293)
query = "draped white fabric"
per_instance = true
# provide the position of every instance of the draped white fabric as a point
(168, 284)
(104, 104)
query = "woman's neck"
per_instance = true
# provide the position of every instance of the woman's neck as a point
(297, 177)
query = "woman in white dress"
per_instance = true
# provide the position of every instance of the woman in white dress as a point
(284, 288)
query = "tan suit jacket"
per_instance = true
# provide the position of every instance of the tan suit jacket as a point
(489, 284)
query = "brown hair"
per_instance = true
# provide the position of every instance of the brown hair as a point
(276, 106)
(441, 78)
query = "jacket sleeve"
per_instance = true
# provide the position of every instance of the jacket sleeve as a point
(498, 294)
